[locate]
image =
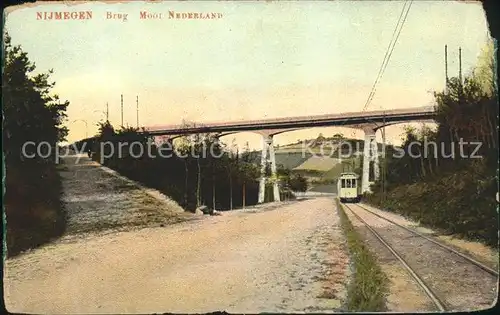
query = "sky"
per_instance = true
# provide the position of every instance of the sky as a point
(261, 59)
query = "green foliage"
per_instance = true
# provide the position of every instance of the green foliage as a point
(34, 212)
(447, 189)
(338, 137)
(190, 170)
(320, 138)
(106, 130)
(298, 182)
(484, 71)
(31, 113)
(291, 180)
(461, 203)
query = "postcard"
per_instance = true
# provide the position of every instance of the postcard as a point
(249, 157)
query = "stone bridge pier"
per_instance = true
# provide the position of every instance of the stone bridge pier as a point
(268, 157)
(370, 157)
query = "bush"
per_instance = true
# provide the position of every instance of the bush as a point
(298, 182)
(229, 177)
(455, 195)
(33, 207)
(461, 203)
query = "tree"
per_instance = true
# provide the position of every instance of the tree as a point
(31, 112)
(484, 71)
(105, 130)
(33, 187)
(232, 160)
(320, 138)
(338, 136)
(249, 172)
(183, 148)
(298, 182)
(199, 167)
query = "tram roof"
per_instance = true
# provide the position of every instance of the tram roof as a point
(348, 174)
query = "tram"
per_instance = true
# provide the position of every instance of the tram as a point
(348, 187)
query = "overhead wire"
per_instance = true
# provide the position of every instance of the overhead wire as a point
(388, 53)
(390, 48)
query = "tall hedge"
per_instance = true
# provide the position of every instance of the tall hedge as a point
(32, 204)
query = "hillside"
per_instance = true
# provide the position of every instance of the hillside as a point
(317, 160)
(318, 163)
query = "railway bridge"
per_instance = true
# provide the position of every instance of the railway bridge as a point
(369, 122)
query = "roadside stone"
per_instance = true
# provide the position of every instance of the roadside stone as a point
(204, 209)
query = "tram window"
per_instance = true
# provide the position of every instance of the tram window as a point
(353, 183)
(343, 183)
(348, 185)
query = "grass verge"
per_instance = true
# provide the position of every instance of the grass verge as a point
(369, 285)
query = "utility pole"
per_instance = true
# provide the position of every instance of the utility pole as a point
(384, 165)
(461, 87)
(460, 64)
(107, 112)
(122, 108)
(446, 67)
(137, 110)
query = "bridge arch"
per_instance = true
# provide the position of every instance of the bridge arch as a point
(241, 139)
(395, 123)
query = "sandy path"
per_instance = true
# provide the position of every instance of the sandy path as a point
(97, 200)
(244, 261)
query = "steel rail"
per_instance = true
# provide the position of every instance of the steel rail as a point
(415, 276)
(468, 258)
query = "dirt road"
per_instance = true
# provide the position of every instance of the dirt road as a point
(275, 259)
(239, 262)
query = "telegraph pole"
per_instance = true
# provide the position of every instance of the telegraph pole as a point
(460, 64)
(446, 67)
(137, 110)
(461, 87)
(460, 67)
(384, 166)
(122, 108)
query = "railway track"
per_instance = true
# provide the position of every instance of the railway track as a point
(451, 280)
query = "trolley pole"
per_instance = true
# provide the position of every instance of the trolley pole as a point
(137, 110)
